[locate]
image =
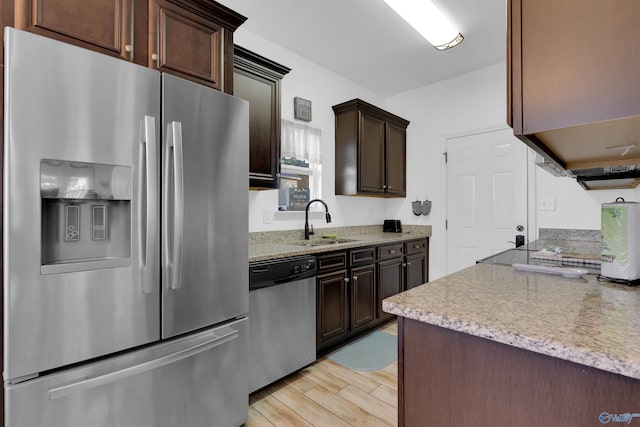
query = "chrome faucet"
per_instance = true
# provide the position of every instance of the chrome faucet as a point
(306, 217)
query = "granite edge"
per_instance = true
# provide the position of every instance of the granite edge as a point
(549, 348)
(286, 249)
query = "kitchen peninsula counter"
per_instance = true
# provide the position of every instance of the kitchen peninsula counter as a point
(265, 246)
(534, 349)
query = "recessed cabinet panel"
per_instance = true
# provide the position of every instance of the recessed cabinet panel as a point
(371, 160)
(390, 282)
(363, 296)
(395, 167)
(104, 24)
(332, 315)
(185, 44)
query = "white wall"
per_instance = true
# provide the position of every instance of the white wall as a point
(574, 207)
(324, 89)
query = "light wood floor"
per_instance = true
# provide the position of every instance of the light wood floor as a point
(328, 394)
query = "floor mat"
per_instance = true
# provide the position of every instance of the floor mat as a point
(369, 353)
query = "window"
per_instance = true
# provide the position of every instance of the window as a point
(301, 166)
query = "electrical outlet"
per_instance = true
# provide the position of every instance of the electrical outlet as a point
(548, 204)
(267, 216)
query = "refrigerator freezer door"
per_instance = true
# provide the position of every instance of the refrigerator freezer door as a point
(196, 381)
(78, 111)
(205, 206)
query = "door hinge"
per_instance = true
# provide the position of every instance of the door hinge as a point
(446, 156)
(446, 224)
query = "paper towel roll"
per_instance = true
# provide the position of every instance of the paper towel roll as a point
(620, 240)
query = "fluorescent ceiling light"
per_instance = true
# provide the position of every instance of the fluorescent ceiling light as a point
(427, 19)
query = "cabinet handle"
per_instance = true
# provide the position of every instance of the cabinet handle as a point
(404, 264)
(417, 246)
(409, 263)
(346, 279)
(277, 175)
(384, 187)
(388, 187)
(128, 48)
(355, 278)
(154, 57)
(392, 251)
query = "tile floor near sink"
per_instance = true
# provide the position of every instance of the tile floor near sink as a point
(328, 394)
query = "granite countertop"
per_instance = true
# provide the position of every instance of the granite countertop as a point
(265, 246)
(581, 320)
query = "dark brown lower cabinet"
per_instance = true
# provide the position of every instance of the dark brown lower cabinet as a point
(449, 378)
(351, 285)
(332, 317)
(416, 266)
(346, 296)
(363, 296)
(390, 282)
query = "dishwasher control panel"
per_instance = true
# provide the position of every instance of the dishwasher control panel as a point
(269, 273)
(302, 266)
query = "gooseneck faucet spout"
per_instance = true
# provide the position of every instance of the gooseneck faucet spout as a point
(306, 217)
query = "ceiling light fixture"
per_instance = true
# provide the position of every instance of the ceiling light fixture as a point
(427, 19)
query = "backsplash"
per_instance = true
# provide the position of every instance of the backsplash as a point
(569, 234)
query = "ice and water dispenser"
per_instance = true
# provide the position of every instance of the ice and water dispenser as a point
(86, 216)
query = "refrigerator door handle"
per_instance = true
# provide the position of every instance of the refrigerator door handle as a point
(223, 336)
(148, 203)
(174, 167)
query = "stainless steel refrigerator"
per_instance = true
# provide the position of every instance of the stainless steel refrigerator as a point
(125, 243)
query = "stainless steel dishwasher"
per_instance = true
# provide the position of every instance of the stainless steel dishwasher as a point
(282, 318)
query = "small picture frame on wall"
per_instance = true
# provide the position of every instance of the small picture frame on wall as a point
(302, 109)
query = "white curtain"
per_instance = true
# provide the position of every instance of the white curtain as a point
(304, 143)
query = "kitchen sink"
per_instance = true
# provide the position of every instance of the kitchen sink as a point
(322, 242)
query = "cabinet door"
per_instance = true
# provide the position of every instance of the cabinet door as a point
(578, 62)
(363, 295)
(185, 44)
(390, 282)
(371, 154)
(257, 80)
(332, 316)
(263, 94)
(416, 266)
(100, 25)
(395, 160)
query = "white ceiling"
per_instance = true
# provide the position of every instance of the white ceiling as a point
(368, 43)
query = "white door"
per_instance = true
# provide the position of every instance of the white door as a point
(486, 192)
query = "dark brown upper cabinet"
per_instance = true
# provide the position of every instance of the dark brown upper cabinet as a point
(189, 38)
(572, 80)
(257, 80)
(193, 39)
(102, 25)
(370, 151)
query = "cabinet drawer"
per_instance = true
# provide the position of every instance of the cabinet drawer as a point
(362, 256)
(390, 251)
(415, 246)
(332, 261)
